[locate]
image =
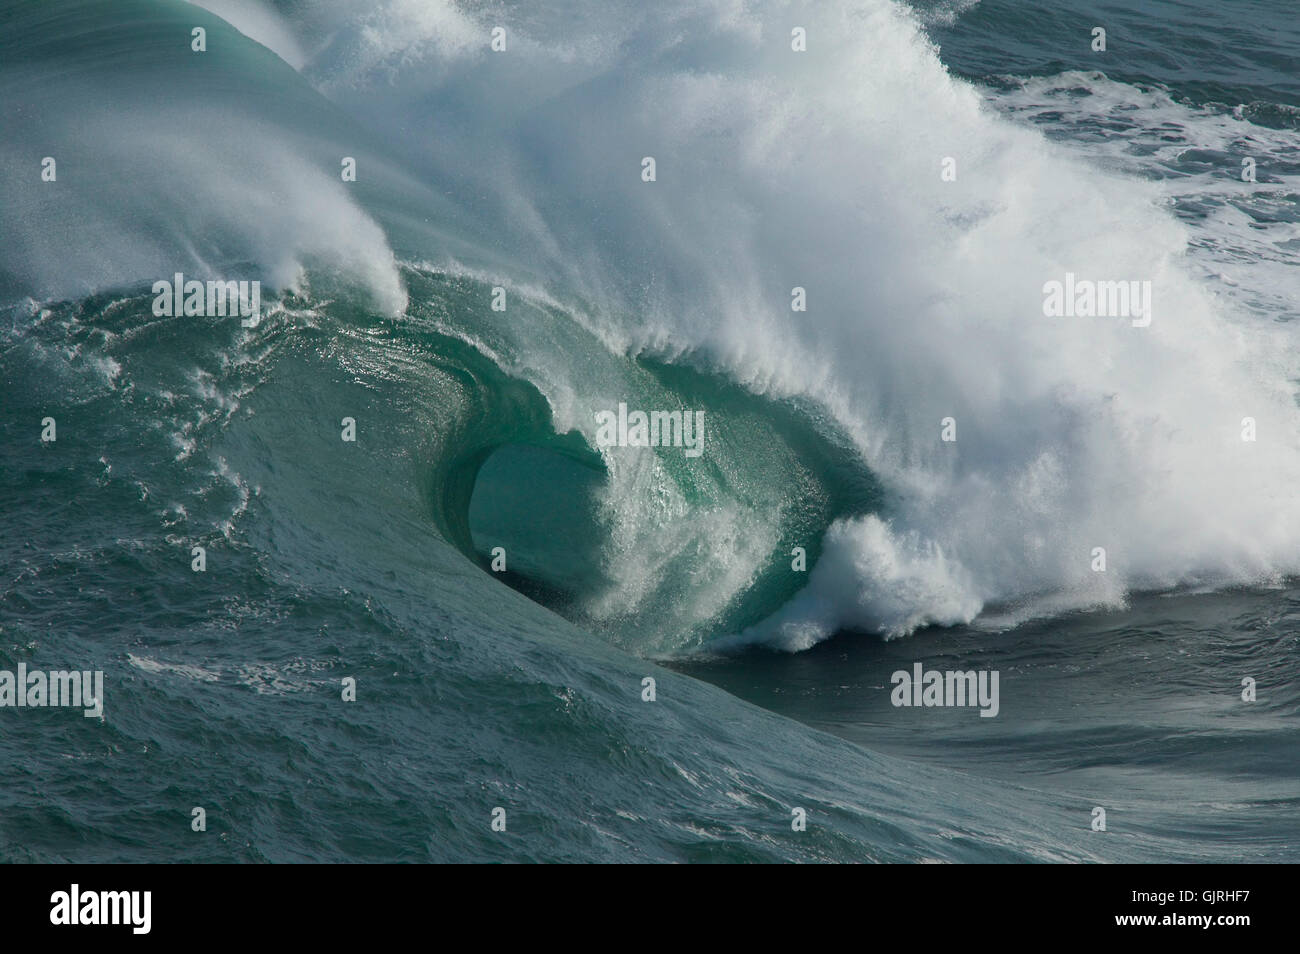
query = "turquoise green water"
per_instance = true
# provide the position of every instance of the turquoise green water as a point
(523, 689)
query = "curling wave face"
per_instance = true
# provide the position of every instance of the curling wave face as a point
(775, 169)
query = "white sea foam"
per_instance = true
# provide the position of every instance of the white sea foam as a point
(822, 170)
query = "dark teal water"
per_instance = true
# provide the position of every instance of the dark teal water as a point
(371, 560)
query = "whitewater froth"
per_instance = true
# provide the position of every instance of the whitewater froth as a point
(822, 170)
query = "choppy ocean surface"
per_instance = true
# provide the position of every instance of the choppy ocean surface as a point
(521, 170)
